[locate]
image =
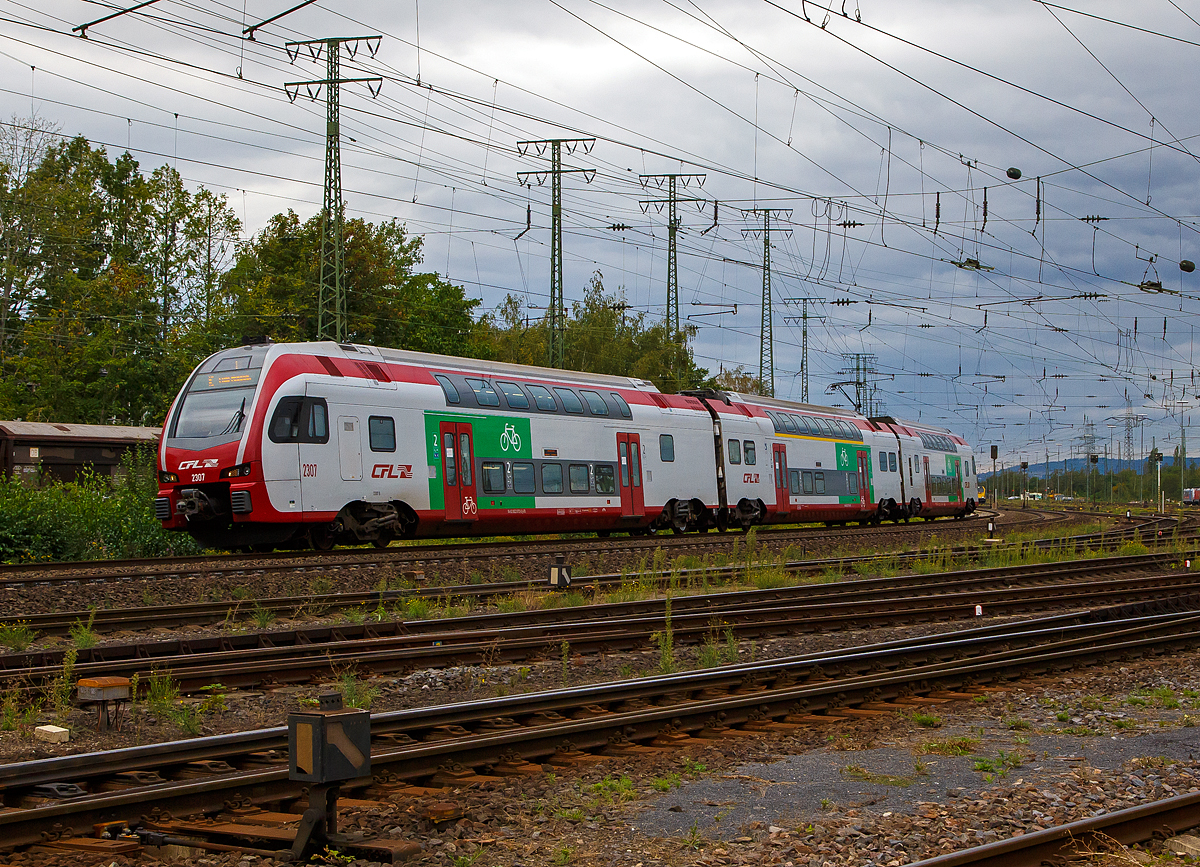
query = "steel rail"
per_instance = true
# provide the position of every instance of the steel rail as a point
(1056, 845)
(416, 554)
(689, 711)
(61, 623)
(300, 654)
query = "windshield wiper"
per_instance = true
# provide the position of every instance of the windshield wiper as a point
(235, 423)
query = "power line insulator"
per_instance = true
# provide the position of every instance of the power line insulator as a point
(850, 224)
(618, 227)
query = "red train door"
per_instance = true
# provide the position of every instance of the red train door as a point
(928, 482)
(864, 476)
(958, 481)
(458, 471)
(779, 458)
(629, 456)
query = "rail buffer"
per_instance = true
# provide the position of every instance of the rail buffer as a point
(326, 747)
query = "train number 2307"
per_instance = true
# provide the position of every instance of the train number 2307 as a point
(309, 471)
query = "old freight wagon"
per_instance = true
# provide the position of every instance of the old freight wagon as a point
(36, 451)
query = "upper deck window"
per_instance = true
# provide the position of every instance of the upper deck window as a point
(485, 395)
(595, 403)
(513, 394)
(448, 387)
(570, 400)
(543, 398)
(621, 405)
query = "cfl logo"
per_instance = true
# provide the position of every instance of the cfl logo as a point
(387, 471)
(206, 464)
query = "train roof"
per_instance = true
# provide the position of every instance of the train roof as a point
(731, 397)
(46, 431)
(465, 365)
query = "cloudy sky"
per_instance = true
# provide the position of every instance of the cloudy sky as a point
(877, 136)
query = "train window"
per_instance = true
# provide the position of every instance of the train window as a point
(318, 421)
(382, 432)
(595, 403)
(464, 458)
(808, 482)
(448, 456)
(285, 424)
(891, 462)
(623, 452)
(883, 462)
(973, 467)
(513, 395)
(775, 422)
(552, 478)
(635, 469)
(852, 478)
(485, 395)
(493, 477)
(237, 362)
(826, 427)
(605, 481)
(666, 448)
(523, 478)
(748, 452)
(795, 480)
(543, 398)
(735, 452)
(448, 388)
(819, 483)
(570, 400)
(621, 405)
(910, 479)
(579, 478)
(789, 423)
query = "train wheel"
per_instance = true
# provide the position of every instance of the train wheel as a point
(322, 538)
(602, 534)
(382, 540)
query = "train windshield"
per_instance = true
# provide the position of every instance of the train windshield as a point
(213, 413)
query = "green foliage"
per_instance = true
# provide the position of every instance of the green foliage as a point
(355, 692)
(18, 712)
(666, 783)
(601, 337)
(614, 789)
(715, 651)
(17, 635)
(958, 746)
(927, 720)
(88, 519)
(62, 685)
(82, 634)
(665, 641)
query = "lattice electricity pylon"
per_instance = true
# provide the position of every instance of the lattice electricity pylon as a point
(803, 319)
(766, 345)
(331, 303)
(673, 223)
(861, 366)
(557, 309)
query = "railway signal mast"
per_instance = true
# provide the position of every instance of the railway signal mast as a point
(557, 309)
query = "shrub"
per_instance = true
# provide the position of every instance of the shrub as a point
(88, 519)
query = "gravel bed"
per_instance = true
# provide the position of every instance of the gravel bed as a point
(244, 587)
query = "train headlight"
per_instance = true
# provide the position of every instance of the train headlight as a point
(167, 478)
(235, 472)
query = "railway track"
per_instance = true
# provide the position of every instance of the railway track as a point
(302, 654)
(426, 555)
(104, 620)
(471, 742)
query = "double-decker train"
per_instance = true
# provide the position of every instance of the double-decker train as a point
(316, 444)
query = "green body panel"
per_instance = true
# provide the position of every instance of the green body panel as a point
(494, 437)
